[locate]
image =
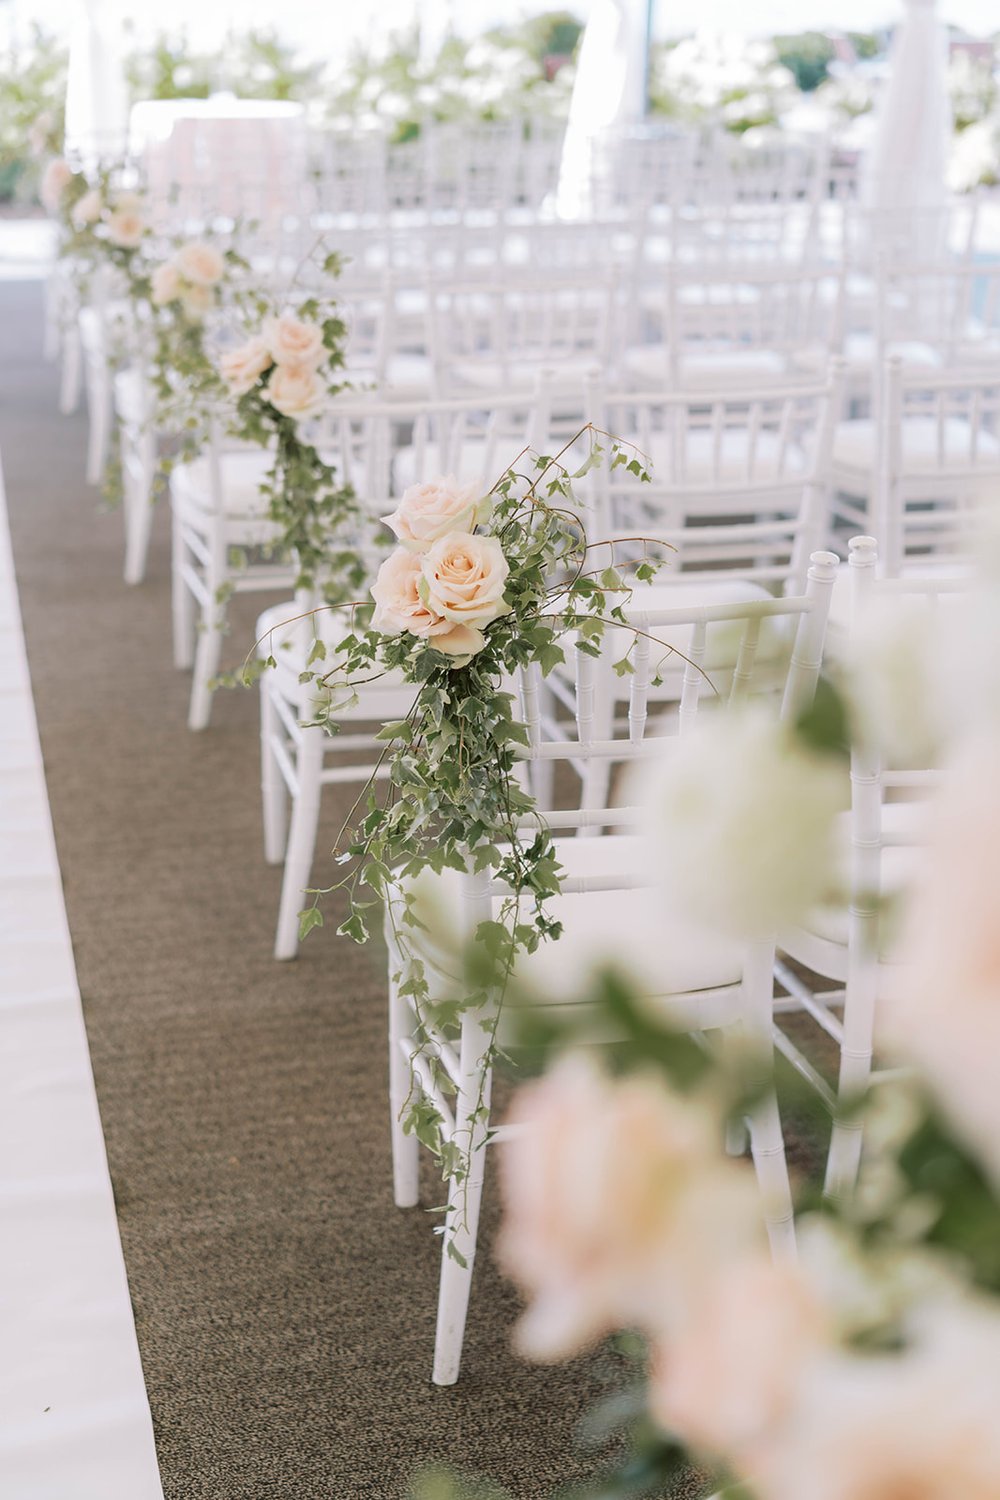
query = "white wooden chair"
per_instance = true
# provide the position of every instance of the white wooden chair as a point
(914, 477)
(219, 519)
(381, 445)
(850, 941)
(738, 487)
(717, 328)
(693, 980)
(499, 338)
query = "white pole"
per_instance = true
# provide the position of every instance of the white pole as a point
(907, 165)
(96, 91)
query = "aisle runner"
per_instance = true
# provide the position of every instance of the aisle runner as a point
(74, 1420)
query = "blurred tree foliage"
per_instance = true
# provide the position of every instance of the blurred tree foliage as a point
(865, 43)
(32, 105)
(807, 57)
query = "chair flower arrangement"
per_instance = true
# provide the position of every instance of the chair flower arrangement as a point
(278, 382)
(101, 222)
(477, 587)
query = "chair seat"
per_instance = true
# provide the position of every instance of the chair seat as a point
(860, 353)
(242, 476)
(285, 635)
(405, 377)
(855, 444)
(628, 929)
(520, 373)
(821, 943)
(722, 639)
(132, 397)
(727, 458)
(650, 363)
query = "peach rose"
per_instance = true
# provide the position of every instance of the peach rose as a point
(200, 264)
(165, 283)
(126, 227)
(295, 391)
(463, 578)
(618, 1205)
(430, 510)
(918, 1425)
(941, 1008)
(399, 607)
(241, 368)
(55, 180)
(729, 1376)
(294, 343)
(87, 210)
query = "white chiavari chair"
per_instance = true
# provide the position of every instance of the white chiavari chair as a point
(850, 941)
(498, 338)
(924, 467)
(738, 489)
(722, 327)
(223, 543)
(692, 980)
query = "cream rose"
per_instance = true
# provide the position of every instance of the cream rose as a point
(241, 368)
(200, 264)
(463, 578)
(294, 343)
(941, 1007)
(399, 607)
(918, 1425)
(87, 210)
(618, 1205)
(295, 391)
(55, 180)
(126, 227)
(728, 1378)
(432, 509)
(165, 283)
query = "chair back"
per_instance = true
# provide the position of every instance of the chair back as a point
(938, 461)
(738, 481)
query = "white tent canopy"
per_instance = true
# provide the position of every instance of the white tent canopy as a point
(609, 91)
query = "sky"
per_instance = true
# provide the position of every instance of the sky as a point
(325, 23)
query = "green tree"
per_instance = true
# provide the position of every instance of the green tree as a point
(807, 57)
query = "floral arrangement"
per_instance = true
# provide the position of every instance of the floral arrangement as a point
(477, 587)
(281, 377)
(175, 303)
(101, 222)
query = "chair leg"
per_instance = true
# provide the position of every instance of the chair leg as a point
(597, 773)
(405, 1148)
(272, 783)
(301, 841)
(464, 1202)
(207, 654)
(69, 384)
(138, 506)
(53, 318)
(182, 601)
(99, 409)
(767, 1143)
